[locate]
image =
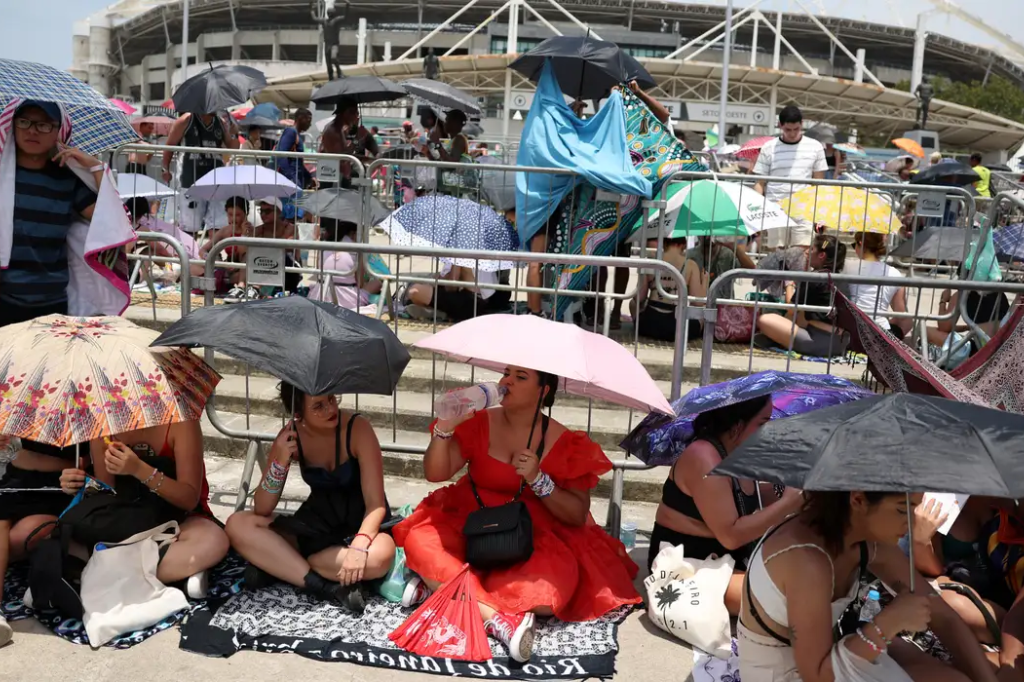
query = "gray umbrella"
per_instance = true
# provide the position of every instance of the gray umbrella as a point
(260, 122)
(936, 243)
(358, 89)
(499, 189)
(823, 133)
(342, 204)
(441, 94)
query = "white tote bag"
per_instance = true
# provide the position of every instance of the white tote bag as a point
(120, 590)
(686, 598)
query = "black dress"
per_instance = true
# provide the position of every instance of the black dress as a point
(334, 510)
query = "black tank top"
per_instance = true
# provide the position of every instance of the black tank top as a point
(695, 546)
(198, 134)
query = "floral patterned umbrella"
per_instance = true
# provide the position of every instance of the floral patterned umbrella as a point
(67, 380)
(660, 439)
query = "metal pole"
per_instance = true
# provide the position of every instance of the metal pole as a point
(511, 47)
(184, 43)
(920, 41)
(726, 60)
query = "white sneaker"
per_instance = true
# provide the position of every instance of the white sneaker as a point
(514, 631)
(416, 592)
(235, 295)
(6, 633)
(198, 586)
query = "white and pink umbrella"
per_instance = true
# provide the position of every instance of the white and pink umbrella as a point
(588, 364)
(123, 106)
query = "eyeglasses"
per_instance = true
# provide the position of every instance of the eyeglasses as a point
(321, 409)
(44, 127)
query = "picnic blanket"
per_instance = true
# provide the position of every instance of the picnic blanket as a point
(225, 580)
(280, 619)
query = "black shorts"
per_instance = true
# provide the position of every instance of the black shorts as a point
(987, 307)
(11, 314)
(15, 506)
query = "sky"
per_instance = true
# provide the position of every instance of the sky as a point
(40, 30)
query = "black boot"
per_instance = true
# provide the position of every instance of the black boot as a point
(347, 597)
(255, 578)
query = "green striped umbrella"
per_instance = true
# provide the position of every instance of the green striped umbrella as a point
(717, 209)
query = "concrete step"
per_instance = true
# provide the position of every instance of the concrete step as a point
(729, 361)
(640, 486)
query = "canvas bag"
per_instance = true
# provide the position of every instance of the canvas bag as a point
(120, 590)
(686, 598)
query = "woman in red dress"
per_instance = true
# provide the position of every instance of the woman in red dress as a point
(576, 572)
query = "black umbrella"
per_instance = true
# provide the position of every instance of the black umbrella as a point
(358, 89)
(441, 94)
(316, 346)
(260, 122)
(218, 88)
(342, 204)
(950, 173)
(901, 442)
(586, 68)
(936, 243)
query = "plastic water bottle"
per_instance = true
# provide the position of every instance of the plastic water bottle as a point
(627, 534)
(871, 608)
(455, 404)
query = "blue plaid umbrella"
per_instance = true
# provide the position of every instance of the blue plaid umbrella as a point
(660, 439)
(96, 124)
(1009, 241)
(443, 222)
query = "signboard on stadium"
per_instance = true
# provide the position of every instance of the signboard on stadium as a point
(735, 114)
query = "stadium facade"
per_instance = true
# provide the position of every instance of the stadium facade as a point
(132, 49)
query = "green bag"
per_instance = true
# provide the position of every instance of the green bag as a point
(393, 584)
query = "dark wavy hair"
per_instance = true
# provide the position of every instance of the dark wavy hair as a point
(828, 514)
(293, 398)
(713, 423)
(550, 381)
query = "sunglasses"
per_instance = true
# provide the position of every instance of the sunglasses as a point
(266, 209)
(44, 127)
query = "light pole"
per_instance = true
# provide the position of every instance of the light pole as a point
(184, 43)
(726, 59)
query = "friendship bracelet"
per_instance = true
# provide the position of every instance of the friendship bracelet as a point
(880, 633)
(874, 647)
(443, 435)
(363, 535)
(150, 477)
(273, 481)
(543, 486)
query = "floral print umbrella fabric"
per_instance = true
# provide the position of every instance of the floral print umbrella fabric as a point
(67, 380)
(659, 439)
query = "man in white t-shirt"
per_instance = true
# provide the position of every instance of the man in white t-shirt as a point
(793, 156)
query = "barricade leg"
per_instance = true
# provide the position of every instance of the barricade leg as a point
(253, 455)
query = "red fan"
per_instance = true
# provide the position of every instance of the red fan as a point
(447, 624)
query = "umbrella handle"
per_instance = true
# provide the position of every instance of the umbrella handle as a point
(910, 544)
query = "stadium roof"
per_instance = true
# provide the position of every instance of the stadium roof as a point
(142, 27)
(847, 104)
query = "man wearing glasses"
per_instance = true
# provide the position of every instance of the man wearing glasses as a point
(48, 198)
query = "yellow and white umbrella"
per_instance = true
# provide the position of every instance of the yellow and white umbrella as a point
(67, 380)
(847, 209)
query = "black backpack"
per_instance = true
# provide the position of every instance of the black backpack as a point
(55, 572)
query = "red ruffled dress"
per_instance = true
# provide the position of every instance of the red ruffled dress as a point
(581, 573)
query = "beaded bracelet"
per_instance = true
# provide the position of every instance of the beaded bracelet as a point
(443, 435)
(363, 535)
(149, 478)
(543, 486)
(273, 482)
(359, 549)
(874, 647)
(881, 634)
(156, 490)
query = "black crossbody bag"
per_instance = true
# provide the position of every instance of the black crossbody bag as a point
(502, 536)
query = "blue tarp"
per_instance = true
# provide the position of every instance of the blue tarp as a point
(555, 138)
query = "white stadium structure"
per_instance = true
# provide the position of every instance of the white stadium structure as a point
(838, 70)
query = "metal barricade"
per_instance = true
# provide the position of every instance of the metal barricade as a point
(711, 309)
(182, 260)
(254, 451)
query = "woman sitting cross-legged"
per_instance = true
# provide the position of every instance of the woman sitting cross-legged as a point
(714, 514)
(576, 571)
(168, 460)
(808, 570)
(333, 542)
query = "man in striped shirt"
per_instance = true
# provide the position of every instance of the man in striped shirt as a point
(792, 156)
(48, 198)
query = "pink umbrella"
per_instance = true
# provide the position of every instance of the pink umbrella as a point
(589, 364)
(752, 148)
(123, 106)
(161, 124)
